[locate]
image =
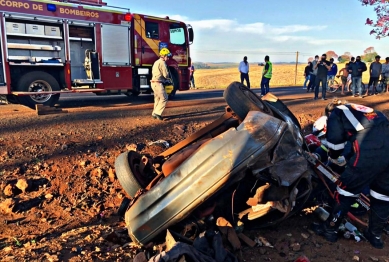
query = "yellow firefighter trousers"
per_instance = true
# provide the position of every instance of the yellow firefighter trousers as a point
(160, 98)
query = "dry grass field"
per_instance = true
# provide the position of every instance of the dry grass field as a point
(283, 75)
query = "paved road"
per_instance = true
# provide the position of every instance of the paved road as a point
(201, 96)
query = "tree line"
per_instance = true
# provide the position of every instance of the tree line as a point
(368, 55)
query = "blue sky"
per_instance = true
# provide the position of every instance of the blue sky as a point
(227, 30)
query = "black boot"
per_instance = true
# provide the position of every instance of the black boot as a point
(374, 240)
(386, 229)
(329, 228)
(373, 232)
(330, 233)
(378, 219)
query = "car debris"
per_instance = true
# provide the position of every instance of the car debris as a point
(354, 231)
(302, 259)
(262, 242)
(251, 156)
(226, 229)
(321, 213)
(248, 241)
(207, 247)
(163, 142)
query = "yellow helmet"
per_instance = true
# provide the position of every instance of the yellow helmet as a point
(164, 52)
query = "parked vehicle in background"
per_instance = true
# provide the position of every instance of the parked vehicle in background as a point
(53, 47)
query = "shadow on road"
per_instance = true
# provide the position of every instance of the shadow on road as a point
(195, 114)
(120, 100)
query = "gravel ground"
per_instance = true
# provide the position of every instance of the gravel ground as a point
(59, 194)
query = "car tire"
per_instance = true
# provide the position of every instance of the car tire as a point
(35, 81)
(243, 100)
(125, 175)
(123, 207)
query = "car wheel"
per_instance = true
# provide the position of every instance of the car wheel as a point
(243, 100)
(38, 81)
(127, 170)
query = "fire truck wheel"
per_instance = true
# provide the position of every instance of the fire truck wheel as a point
(176, 82)
(38, 81)
(12, 99)
(126, 170)
(242, 100)
(132, 93)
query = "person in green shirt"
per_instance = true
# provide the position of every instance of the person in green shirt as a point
(266, 76)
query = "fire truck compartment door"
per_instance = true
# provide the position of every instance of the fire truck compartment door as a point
(77, 56)
(116, 45)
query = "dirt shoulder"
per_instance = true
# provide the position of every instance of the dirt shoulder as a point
(59, 194)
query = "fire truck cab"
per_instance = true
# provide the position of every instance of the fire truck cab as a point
(53, 47)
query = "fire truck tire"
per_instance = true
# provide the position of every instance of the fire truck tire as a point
(176, 82)
(243, 100)
(135, 93)
(132, 93)
(125, 175)
(34, 82)
(12, 99)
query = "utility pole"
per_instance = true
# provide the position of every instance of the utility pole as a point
(295, 72)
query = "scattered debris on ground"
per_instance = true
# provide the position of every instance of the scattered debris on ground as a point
(59, 194)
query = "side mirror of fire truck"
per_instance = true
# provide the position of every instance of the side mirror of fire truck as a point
(190, 34)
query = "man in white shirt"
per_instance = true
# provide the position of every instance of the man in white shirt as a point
(244, 71)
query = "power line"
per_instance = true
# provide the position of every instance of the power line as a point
(241, 51)
(247, 51)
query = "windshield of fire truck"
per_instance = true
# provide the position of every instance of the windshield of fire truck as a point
(177, 34)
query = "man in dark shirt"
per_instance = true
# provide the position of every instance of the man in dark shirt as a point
(322, 69)
(332, 72)
(356, 69)
(307, 73)
(375, 72)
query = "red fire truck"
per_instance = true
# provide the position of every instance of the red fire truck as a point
(53, 47)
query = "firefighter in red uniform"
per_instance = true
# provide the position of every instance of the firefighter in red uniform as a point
(368, 165)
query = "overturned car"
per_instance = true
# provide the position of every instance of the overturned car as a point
(248, 166)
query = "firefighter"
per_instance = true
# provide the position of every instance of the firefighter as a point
(320, 129)
(367, 131)
(160, 75)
